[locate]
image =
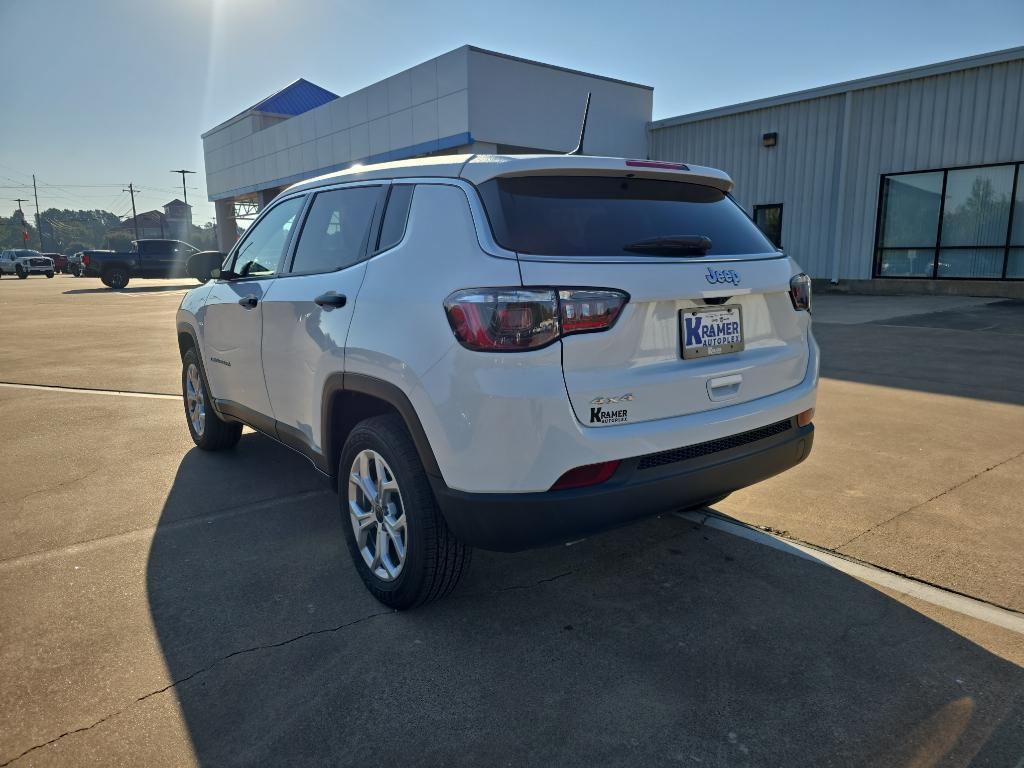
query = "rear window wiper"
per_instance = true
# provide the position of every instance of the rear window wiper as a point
(672, 245)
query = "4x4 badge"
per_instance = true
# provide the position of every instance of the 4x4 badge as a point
(613, 400)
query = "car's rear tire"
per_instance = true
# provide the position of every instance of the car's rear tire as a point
(399, 541)
(115, 277)
(22, 274)
(208, 431)
(49, 275)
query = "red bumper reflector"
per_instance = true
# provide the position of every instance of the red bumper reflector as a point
(804, 418)
(591, 474)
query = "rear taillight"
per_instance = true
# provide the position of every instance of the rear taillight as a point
(518, 319)
(591, 474)
(86, 259)
(800, 292)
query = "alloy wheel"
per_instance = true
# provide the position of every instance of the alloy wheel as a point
(195, 399)
(377, 515)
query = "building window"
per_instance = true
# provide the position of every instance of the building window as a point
(768, 219)
(957, 223)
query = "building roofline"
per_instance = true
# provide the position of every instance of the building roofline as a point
(250, 110)
(889, 78)
(544, 64)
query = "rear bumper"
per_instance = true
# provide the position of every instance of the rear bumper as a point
(642, 486)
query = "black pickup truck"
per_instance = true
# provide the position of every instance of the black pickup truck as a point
(147, 259)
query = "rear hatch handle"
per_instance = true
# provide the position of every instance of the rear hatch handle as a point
(724, 387)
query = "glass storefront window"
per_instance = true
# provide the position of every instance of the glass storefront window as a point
(1015, 265)
(971, 262)
(910, 209)
(907, 262)
(976, 209)
(965, 223)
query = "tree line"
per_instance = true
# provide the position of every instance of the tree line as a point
(67, 231)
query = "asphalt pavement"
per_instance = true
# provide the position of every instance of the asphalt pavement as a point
(160, 605)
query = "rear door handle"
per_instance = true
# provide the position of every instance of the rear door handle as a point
(331, 299)
(249, 302)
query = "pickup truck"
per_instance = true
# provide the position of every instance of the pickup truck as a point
(147, 259)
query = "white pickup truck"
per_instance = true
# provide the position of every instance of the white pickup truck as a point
(24, 262)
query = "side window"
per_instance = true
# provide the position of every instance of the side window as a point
(337, 230)
(259, 253)
(395, 216)
(768, 219)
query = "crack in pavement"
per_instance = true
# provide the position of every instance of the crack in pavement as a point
(952, 488)
(196, 673)
(264, 647)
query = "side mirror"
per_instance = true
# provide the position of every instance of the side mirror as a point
(205, 265)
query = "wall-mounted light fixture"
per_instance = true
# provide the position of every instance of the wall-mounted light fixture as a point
(769, 139)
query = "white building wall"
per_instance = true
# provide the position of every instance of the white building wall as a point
(525, 104)
(420, 107)
(466, 99)
(969, 116)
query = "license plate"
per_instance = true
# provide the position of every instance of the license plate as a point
(711, 331)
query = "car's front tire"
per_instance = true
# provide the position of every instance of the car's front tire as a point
(400, 544)
(208, 431)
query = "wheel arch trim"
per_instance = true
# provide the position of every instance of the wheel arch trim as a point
(340, 383)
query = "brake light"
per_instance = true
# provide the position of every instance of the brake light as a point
(591, 474)
(657, 164)
(519, 319)
(86, 259)
(800, 292)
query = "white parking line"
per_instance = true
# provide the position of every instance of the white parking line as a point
(953, 601)
(79, 391)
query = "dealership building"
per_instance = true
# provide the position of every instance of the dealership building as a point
(908, 181)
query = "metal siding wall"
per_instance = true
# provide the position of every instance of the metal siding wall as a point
(799, 172)
(969, 117)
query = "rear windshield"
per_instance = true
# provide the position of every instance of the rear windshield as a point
(600, 216)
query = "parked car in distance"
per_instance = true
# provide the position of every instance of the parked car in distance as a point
(152, 258)
(504, 352)
(60, 261)
(24, 262)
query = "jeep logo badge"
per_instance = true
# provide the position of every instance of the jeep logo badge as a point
(715, 276)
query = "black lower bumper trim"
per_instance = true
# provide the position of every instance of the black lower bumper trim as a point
(510, 522)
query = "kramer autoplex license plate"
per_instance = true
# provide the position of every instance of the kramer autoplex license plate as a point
(711, 331)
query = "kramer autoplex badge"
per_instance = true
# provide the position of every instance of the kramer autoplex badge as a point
(600, 416)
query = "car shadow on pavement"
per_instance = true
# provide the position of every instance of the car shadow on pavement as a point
(133, 289)
(971, 352)
(660, 643)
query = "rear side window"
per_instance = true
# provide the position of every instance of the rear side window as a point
(395, 216)
(337, 229)
(600, 216)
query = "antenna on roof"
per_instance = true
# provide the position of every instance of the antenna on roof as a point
(583, 128)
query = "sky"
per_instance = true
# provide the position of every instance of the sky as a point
(100, 93)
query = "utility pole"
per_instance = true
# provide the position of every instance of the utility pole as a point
(19, 201)
(183, 192)
(39, 221)
(135, 216)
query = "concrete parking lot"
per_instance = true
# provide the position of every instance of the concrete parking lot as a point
(159, 605)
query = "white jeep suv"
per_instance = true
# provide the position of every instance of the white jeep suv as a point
(504, 351)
